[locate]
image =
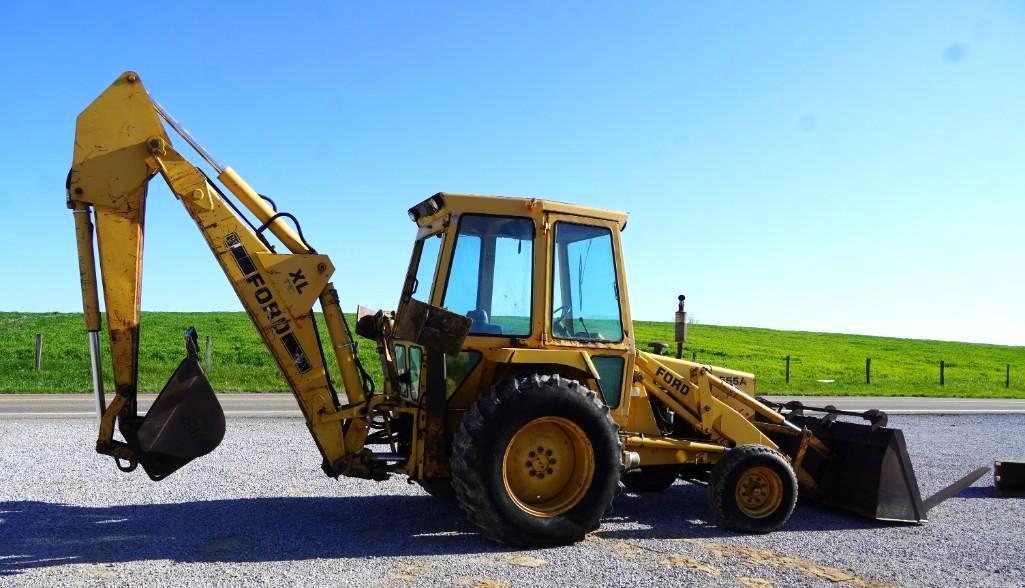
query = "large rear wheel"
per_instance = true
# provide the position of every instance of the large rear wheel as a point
(537, 461)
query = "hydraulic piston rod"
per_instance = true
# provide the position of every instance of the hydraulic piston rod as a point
(90, 298)
(95, 364)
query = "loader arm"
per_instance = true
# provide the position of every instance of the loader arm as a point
(864, 468)
(120, 145)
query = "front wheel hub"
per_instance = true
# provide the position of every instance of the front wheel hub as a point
(759, 492)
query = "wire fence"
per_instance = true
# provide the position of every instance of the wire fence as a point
(44, 364)
(894, 373)
(236, 367)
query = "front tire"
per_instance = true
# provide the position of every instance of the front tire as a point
(752, 489)
(537, 461)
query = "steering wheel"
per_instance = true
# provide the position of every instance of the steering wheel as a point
(558, 316)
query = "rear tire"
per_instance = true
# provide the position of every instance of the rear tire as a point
(752, 489)
(537, 461)
(651, 478)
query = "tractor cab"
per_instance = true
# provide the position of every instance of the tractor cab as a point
(529, 275)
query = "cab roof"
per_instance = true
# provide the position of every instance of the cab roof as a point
(444, 203)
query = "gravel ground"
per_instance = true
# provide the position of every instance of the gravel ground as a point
(259, 510)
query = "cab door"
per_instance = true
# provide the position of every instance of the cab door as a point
(586, 299)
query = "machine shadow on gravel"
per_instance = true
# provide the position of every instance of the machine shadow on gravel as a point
(978, 492)
(37, 534)
(41, 534)
(682, 511)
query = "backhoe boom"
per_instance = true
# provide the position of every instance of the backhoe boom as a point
(120, 145)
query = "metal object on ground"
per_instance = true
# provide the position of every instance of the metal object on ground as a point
(955, 488)
(1009, 478)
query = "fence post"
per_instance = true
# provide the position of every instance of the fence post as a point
(1007, 378)
(941, 372)
(208, 353)
(39, 351)
(868, 370)
(788, 369)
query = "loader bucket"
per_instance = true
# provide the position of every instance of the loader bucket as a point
(868, 471)
(185, 422)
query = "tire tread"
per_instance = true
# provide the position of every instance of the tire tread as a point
(478, 426)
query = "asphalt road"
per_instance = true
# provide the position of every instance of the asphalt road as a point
(283, 405)
(258, 510)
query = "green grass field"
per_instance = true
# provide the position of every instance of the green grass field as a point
(900, 367)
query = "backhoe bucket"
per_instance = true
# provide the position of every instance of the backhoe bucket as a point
(868, 471)
(185, 422)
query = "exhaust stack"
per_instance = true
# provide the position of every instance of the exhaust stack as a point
(681, 327)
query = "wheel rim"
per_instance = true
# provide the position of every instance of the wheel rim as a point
(759, 492)
(548, 466)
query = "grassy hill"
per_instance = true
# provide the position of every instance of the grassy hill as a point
(900, 367)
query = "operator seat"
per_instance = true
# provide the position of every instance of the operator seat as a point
(479, 324)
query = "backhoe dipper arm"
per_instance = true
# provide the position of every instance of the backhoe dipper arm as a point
(120, 145)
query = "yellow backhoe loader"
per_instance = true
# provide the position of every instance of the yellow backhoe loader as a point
(511, 378)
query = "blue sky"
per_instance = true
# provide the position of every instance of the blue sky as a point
(852, 167)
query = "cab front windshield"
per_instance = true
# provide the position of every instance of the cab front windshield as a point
(491, 275)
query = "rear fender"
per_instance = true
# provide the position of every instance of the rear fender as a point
(577, 360)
